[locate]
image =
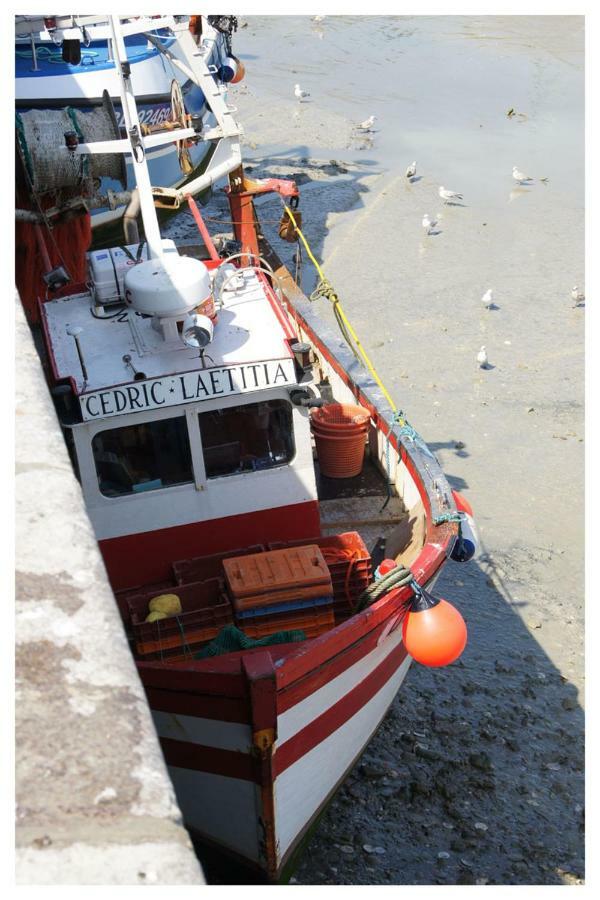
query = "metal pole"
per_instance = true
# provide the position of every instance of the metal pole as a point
(34, 53)
(138, 151)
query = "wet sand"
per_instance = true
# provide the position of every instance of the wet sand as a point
(476, 775)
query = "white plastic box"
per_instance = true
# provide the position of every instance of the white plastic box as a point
(107, 270)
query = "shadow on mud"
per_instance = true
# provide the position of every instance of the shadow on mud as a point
(476, 774)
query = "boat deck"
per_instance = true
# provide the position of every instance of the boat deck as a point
(248, 331)
(356, 504)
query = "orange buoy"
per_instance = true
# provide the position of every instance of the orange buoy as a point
(433, 631)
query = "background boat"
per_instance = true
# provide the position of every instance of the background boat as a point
(48, 78)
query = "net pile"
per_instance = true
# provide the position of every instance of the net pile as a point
(41, 134)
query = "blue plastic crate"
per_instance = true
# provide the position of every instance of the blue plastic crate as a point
(290, 607)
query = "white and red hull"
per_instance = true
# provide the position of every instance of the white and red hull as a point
(257, 743)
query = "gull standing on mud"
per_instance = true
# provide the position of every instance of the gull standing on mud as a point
(367, 124)
(299, 93)
(449, 195)
(577, 296)
(412, 170)
(487, 299)
(482, 358)
(520, 177)
(428, 224)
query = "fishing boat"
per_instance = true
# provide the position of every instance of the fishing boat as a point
(236, 459)
(64, 63)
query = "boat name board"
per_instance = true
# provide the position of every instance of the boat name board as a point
(188, 387)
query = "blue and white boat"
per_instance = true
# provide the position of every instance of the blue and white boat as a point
(64, 63)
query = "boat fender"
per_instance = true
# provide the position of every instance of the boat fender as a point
(228, 69)
(71, 51)
(240, 73)
(467, 541)
(433, 631)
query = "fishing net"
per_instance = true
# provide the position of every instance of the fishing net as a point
(230, 639)
(41, 141)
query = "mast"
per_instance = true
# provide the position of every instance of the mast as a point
(138, 151)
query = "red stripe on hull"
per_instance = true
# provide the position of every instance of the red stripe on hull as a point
(299, 690)
(137, 559)
(225, 709)
(319, 651)
(334, 717)
(212, 760)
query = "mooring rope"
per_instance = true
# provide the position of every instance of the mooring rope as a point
(392, 580)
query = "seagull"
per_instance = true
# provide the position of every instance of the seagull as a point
(299, 93)
(487, 299)
(318, 18)
(428, 224)
(482, 358)
(449, 195)
(367, 124)
(520, 177)
(577, 296)
(412, 170)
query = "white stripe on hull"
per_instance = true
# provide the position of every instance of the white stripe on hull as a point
(304, 786)
(208, 732)
(302, 714)
(224, 809)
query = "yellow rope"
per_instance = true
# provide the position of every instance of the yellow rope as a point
(328, 292)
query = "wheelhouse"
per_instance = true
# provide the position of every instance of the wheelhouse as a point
(199, 451)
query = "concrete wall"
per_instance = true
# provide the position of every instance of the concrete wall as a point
(94, 801)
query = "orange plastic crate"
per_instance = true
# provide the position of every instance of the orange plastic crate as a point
(277, 576)
(313, 624)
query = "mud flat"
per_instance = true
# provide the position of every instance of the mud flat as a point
(476, 775)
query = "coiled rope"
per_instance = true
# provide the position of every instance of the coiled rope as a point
(393, 580)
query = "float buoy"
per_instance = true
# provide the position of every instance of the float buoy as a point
(433, 631)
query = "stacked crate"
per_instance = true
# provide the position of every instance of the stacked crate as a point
(349, 564)
(281, 590)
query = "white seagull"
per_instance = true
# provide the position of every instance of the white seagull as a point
(482, 358)
(520, 177)
(487, 299)
(299, 93)
(577, 296)
(412, 170)
(449, 195)
(428, 224)
(367, 124)
(318, 18)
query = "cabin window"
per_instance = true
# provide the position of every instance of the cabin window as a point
(143, 457)
(247, 438)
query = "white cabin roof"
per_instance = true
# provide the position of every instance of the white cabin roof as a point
(247, 332)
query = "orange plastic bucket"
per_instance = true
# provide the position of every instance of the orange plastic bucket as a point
(339, 430)
(340, 418)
